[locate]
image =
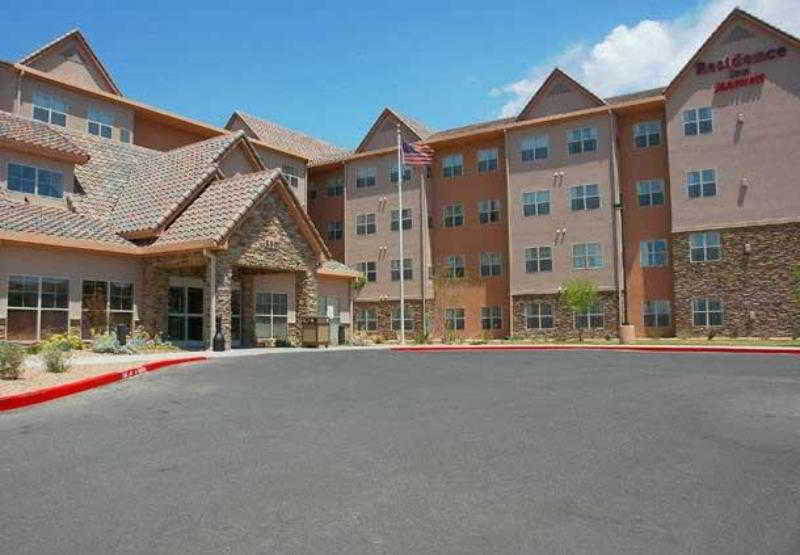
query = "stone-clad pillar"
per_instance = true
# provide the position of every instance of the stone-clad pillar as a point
(248, 310)
(155, 299)
(222, 283)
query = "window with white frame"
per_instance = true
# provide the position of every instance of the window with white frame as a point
(369, 269)
(408, 318)
(124, 136)
(487, 160)
(653, 253)
(538, 316)
(99, 122)
(365, 224)
(454, 318)
(647, 133)
(453, 165)
(393, 173)
(453, 215)
(592, 318)
(395, 222)
(49, 108)
(705, 246)
(408, 269)
(538, 259)
(582, 139)
(455, 266)
(650, 192)
(536, 203)
(334, 231)
(491, 264)
(491, 318)
(272, 315)
(584, 197)
(707, 312)
(335, 186)
(698, 121)
(367, 319)
(701, 183)
(26, 179)
(104, 306)
(365, 177)
(488, 211)
(657, 314)
(291, 174)
(535, 147)
(587, 256)
(38, 307)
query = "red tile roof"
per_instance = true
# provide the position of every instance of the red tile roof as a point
(31, 136)
(32, 218)
(287, 139)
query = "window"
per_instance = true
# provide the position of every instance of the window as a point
(185, 313)
(697, 121)
(407, 269)
(657, 314)
(491, 318)
(368, 269)
(538, 316)
(408, 317)
(272, 315)
(453, 215)
(538, 259)
(365, 177)
(653, 253)
(26, 179)
(536, 203)
(37, 307)
(335, 187)
(406, 173)
(453, 165)
(489, 211)
(587, 256)
(124, 135)
(455, 266)
(366, 319)
(583, 139)
(702, 183)
(334, 231)
(454, 318)
(490, 264)
(591, 319)
(646, 134)
(705, 246)
(651, 192)
(584, 197)
(49, 109)
(487, 160)
(292, 175)
(706, 312)
(536, 147)
(365, 224)
(99, 123)
(395, 225)
(104, 306)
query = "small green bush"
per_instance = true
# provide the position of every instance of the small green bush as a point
(11, 358)
(64, 341)
(108, 344)
(54, 358)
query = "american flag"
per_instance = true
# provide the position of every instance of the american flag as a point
(417, 155)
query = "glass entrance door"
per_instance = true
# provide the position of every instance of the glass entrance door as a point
(186, 315)
(236, 317)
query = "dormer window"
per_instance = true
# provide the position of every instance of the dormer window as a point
(29, 180)
(290, 173)
(100, 123)
(49, 109)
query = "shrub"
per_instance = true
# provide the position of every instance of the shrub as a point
(422, 337)
(54, 358)
(377, 339)
(360, 339)
(108, 344)
(11, 358)
(64, 341)
(283, 343)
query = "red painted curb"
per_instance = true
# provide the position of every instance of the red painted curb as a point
(49, 393)
(638, 349)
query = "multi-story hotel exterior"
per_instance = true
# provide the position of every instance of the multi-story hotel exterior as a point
(680, 204)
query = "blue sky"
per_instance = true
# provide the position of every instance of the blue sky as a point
(328, 68)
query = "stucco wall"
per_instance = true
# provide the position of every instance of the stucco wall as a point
(71, 62)
(274, 159)
(66, 169)
(385, 134)
(339, 288)
(556, 100)
(236, 162)
(324, 209)
(154, 134)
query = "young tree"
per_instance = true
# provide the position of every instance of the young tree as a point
(579, 295)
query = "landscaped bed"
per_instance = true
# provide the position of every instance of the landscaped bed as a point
(35, 377)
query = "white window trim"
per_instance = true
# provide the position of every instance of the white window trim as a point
(536, 204)
(452, 267)
(447, 159)
(697, 122)
(35, 192)
(594, 135)
(660, 134)
(533, 140)
(701, 197)
(644, 313)
(572, 256)
(705, 247)
(707, 312)
(463, 215)
(538, 260)
(643, 253)
(109, 310)
(600, 197)
(38, 307)
(589, 315)
(663, 191)
(540, 303)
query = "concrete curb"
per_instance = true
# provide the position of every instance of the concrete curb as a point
(629, 348)
(49, 393)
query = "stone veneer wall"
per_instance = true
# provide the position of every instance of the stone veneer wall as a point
(758, 281)
(384, 316)
(564, 323)
(155, 295)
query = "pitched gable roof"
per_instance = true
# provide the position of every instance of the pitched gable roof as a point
(420, 130)
(556, 75)
(36, 137)
(78, 36)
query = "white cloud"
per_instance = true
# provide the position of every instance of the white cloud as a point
(643, 56)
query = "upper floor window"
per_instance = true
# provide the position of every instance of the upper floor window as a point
(705, 246)
(365, 177)
(538, 316)
(453, 215)
(491, 318)
(455, 266)
(583, 139)
(646, 134)
(365, 224)
(489, 211)
(487, 160)
(453, 165)
(26, 179)
(395, 226)
(698, 121)
(538, 259)
(99, 123)
(584, 197)
(292, 175)
(335, 187)
(334, 231)
(535, 147)
(650, 192)
(653, 253)
(406, 173)
(587, 256)
(490, 264)
(701, 183)
(368, 269)
(407, 269)
(536, 203)
(49, 108)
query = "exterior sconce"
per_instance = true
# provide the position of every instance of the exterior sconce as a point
(740, 117)
(747, 248)
(752, 315)
(745, 182)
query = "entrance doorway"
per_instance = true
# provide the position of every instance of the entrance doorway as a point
(185, 315)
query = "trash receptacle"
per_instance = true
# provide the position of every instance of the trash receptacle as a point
(316, 331)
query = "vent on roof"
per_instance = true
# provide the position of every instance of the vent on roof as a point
(738, 33)
(558, 88)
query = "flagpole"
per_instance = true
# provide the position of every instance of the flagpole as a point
(400, 222)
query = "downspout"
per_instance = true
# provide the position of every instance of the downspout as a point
(508, 232)
(18, 99)
(212, 294)
(619, 261)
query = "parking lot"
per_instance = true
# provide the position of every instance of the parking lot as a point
(388, 452)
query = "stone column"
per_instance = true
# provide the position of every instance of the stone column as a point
(307, 297)
(155, 299)
(248, 310)
(218, 288)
